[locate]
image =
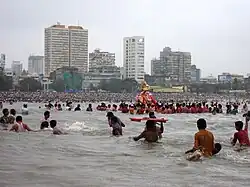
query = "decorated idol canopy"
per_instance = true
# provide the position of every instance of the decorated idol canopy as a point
(145, 97)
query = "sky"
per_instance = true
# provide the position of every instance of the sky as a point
(216, 32)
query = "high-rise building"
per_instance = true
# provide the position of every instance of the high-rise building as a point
(2, 61)
(195, 74)
(174, 64)
(17, 68)
(78, 48)
(65, 46)
(100, 58)
(133, 58)
(36, 65)
(156, 67)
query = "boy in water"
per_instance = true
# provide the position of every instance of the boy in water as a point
(110, 115)
(56, 130)
(4, 120)
(116, 126)
(160, 129)
(19, 126)
(150, 134)
(204, 142)
(46, 116)
(44, 125)
(12, 116)
(242, 135)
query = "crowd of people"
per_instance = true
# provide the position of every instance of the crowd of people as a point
(204, 144)
(111, 97)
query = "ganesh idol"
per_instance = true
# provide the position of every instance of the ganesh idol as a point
(145, 97)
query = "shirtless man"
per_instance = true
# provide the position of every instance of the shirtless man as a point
(242, 135)
(12, 115)
(150, 134)
(116, 126)
(4, 120)
(160, 129)
(19, 126)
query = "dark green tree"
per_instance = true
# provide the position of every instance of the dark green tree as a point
(30, 85)
(112, 85)
(58, 85)
(130, 85)
(236, 84)
(117, 85)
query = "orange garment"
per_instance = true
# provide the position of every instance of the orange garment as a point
(131, 110)
(204, 139)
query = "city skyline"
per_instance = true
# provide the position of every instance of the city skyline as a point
(217, 38)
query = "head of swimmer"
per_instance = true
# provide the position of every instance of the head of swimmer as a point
(44, 125)
(5, 111)
(151, 115)
(13, 112)
(109, 115)
(201, 124)
(238, 125)
(53, 123)
(46, 114)
(19, 119)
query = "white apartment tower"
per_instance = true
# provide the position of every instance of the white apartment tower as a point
(36, 65)
(17, 68)
(78, 48)
(133, 58)
(65, 46)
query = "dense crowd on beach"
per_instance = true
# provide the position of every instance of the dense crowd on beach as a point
(113, 97)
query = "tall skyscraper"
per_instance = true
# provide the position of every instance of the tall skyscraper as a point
(195, 74)
(17, 68)
(100, 58)
(133, 58)
(36, 65)
(174, 64)
(65, 46)
(78, 48)
(2, 61)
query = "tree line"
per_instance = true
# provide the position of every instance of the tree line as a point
(112, 85)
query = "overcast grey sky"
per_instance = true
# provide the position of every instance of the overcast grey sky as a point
(216, 32)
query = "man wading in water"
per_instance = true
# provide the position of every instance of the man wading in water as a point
(115, 123)
(204, 142)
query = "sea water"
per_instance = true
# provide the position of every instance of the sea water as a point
(90, 156)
